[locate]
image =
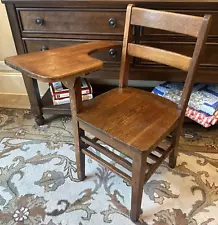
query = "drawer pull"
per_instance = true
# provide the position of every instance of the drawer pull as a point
(112, 22)
(40, 21)
(112, 52)
(44, 48)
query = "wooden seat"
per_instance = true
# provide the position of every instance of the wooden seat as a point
(132, 116)
(132, 121)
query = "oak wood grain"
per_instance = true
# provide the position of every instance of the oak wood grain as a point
(199, 47)
(209, 58)
(74, 86)
(138, 175)
(109, 55)
(60, 63)
(111, 167)
(118, 159)
(142, 71)
(133, 121)
(83, 21)
(173, 22)
(135, 117)
(139, 119)
(125, 58)
(159, 55)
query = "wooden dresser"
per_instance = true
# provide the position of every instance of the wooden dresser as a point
(38, 25)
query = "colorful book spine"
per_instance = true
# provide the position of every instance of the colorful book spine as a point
(58, 91)
(67, 100)
(60, 94)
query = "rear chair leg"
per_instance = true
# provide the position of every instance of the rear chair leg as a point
(80, 157)
(173, 155)
(173, 158)
(138, 176)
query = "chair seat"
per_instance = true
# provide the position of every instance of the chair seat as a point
(132, 116)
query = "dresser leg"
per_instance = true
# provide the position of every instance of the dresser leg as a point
(40, 120)
(34, 98)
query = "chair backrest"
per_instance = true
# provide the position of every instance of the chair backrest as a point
(184, 24)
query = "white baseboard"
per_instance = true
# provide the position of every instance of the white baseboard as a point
(12, 89)
(14, 101)
(12, 83)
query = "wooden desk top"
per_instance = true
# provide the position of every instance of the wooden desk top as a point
(60, 63)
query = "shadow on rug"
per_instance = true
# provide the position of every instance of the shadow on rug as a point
(38, 182)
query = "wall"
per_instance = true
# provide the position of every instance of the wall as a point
(12, 89)
(6, 41)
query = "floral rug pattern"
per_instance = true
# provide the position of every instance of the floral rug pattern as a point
(38, 182)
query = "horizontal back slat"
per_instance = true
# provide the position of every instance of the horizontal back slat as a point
(178, 23)
(161, 56)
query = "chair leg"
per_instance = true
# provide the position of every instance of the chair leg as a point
(173, 155)
(80, 157)
(138, 176)
(74, 85)
(173, 158)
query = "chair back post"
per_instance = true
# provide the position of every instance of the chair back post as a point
(194, 26)
(192, 71)
(125, 58)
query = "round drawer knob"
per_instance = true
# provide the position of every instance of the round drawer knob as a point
(40, 21)
(44, 48)
(112, 22)
(112, 52)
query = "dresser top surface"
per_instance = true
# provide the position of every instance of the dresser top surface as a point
(109, 1)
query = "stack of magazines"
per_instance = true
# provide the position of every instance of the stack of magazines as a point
(60, 94)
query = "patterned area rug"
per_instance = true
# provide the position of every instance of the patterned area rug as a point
(38, 182)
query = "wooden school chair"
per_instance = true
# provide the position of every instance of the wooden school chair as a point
(132, 121)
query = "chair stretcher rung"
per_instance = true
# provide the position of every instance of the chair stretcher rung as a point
(95, 139)
(153, 167)
(108, 165)
(149, 165)
(153, 157)
(160, 150)
(124, 163)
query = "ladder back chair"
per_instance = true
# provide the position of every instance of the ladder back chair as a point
(132, 121)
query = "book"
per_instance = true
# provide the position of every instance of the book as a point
(59, 91)
(62, 101)
(60, 94)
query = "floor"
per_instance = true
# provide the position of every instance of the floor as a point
(38, 182)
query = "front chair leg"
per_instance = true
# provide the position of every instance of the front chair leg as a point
(74, 86)
(80, 156)
(139, 166)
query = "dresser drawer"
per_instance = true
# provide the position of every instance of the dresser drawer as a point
(67, 21)
(35, 45)
(210, 55)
